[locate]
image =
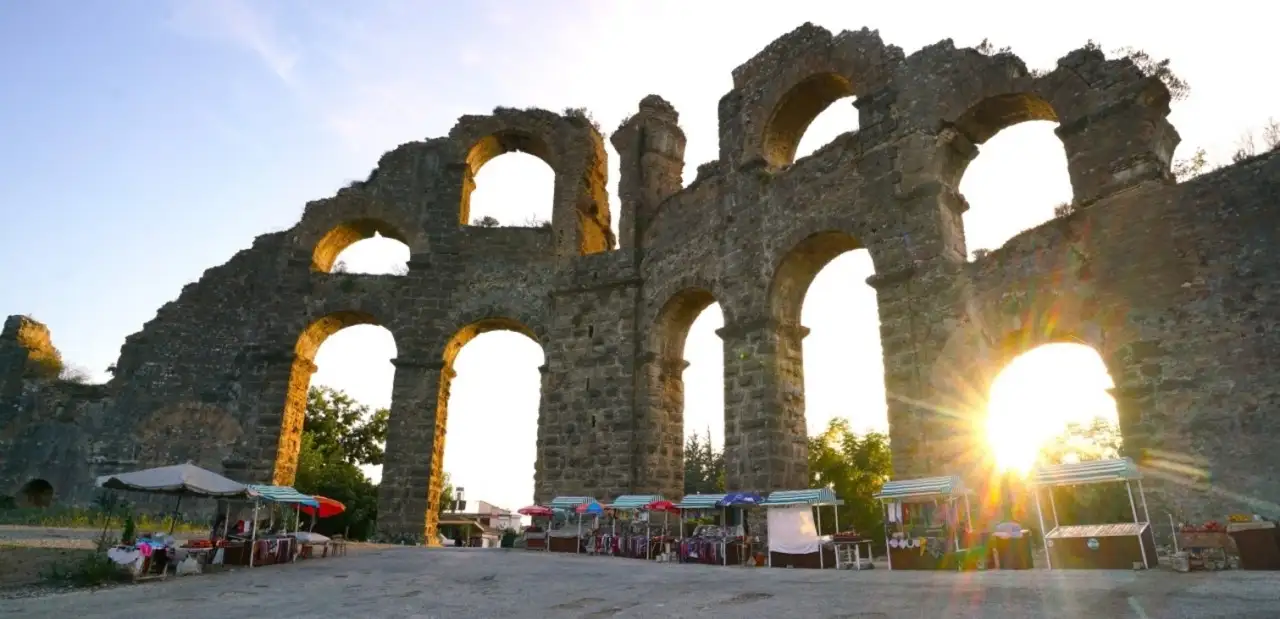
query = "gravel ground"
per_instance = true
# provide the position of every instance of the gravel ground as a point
(464, 583)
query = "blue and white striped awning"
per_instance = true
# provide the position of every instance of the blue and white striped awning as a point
(633, 501)
(700, 501)
(569, 503)
(906, 489)
(815, 496)
(282, 494)
(1091, 472)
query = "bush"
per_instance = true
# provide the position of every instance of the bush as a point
(90, 570)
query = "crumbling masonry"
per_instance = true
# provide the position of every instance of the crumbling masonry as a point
(1173, 284)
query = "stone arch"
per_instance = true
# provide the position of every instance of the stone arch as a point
(574, 149)
(36, 493)
(659, 443)
(797, 77)
(303, 366)
(330, 226)
(799, 262)
(459, 338)
(983, 121)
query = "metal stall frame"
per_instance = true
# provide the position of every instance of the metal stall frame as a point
(815, 498)
(922, 490)
(1116, 470)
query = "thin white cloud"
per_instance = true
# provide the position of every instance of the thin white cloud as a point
(238, 23)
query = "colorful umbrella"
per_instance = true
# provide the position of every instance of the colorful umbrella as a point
(328, 507)
(662, 506)
(535, 510)
(740, 499)
(590, 508)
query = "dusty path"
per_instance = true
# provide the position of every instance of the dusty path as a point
(463, 583)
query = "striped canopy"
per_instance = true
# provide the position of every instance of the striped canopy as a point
(907, 489)
(700, 501)
(282, 494)
(815, 497)
(568, 503)
(1091, 472)
(634, 501)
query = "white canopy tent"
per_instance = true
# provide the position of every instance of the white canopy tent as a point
(179, 480)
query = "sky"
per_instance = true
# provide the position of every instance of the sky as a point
(144, 141)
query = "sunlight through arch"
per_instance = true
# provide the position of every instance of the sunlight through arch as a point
(839, 118)
(357, 361)
(1036, 399)
(513, 189)
(704, 378)
(376, 255)
(492, 427)
(843, 359)
(1016, 182)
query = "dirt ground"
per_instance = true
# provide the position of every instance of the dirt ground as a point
(405, 582)
(27, 552)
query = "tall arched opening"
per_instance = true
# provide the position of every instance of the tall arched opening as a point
(349, 355)
(807, 117)
(514, 189)
(491, 381)
(681, 447)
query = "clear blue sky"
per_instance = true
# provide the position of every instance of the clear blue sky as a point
(142, 142)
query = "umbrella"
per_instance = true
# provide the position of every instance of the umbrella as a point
(662, 506)
(535, 510)
(328, 507)
(589, 508)
(741, 499)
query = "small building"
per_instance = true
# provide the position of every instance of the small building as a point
(479, 524)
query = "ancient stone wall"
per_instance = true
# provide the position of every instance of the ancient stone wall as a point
(1171, 283)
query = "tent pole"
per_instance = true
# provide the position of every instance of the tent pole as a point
(1143, 493)
(821, 562)
(1044, 535)
(1053, 504)
(885, 507)
(253, 536)
(1142, 545)
(173, 522)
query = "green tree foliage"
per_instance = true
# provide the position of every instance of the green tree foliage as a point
(446, 495)
(338, 436)
(703, 465)
(345, 429)
(855, 467)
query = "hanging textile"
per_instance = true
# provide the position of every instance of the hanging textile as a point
(791, 530)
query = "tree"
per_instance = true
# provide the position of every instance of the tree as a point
(338, 435)
(703, 466)
(1187, 169)
(345, 429)
(855, 467)
(446, 495)
(485, 222)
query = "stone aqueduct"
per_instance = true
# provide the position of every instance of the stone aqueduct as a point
(1173, 284)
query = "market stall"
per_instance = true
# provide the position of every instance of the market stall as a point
(1105, 546)
(735, 506)
(535, 537)
(150, 556)
(708, 544)
(793, 534)
(566, 538)
(634, 539)
(276, 544)
(309, 541)
(928, 525)
(663, 547)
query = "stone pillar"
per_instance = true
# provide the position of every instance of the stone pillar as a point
(650, 148)
(549, 456)
(283, 378)
(659, 419)
(1119, 146)
(412, 470)
(765, 438)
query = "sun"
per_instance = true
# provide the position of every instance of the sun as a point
(1037, 395)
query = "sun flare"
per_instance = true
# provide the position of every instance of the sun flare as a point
(1038, 394)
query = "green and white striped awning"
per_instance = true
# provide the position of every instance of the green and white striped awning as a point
(907, 489)
(633, 501)
(815, 497)
(1091, 472)
(282, 494)
(700, 501)
(568, 503)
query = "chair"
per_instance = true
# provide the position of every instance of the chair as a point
(339, 545)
